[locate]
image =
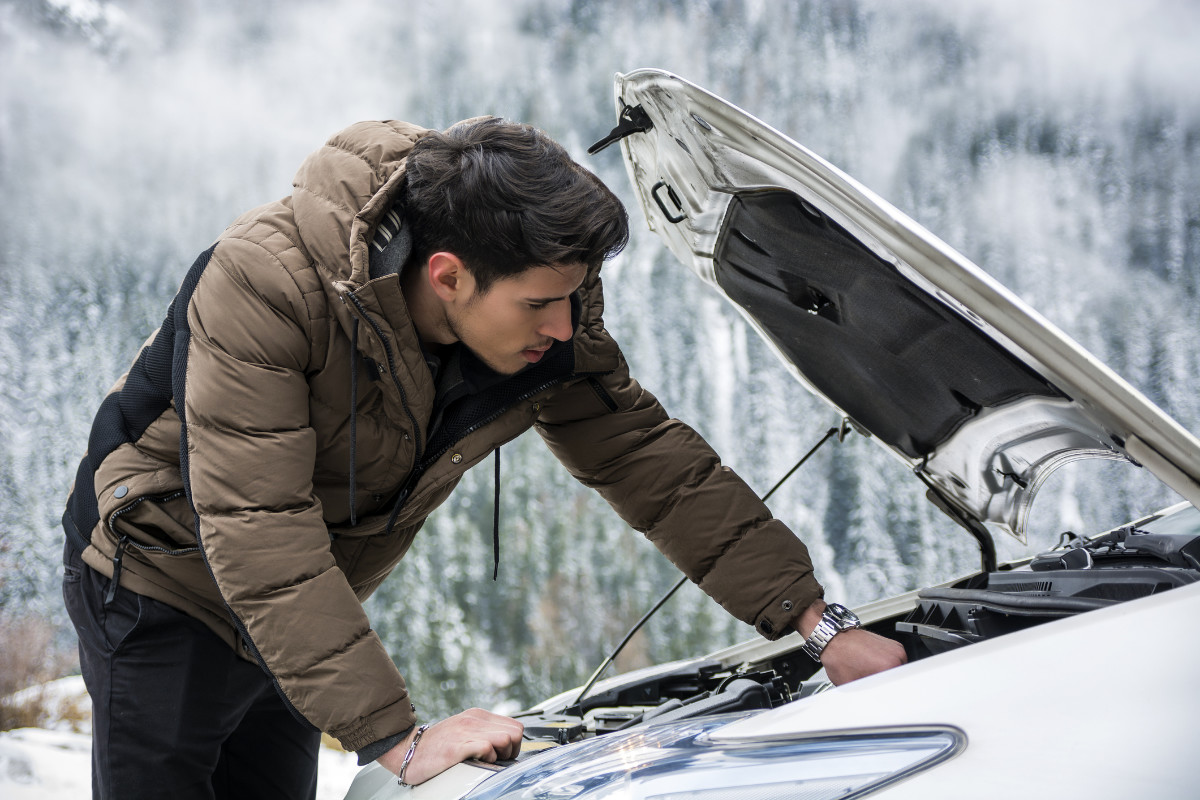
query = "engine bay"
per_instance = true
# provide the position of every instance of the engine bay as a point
(1147, 557)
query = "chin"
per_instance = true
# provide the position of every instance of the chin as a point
(510, 366)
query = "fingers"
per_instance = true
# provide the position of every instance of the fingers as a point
(497, 738)
(474, 733)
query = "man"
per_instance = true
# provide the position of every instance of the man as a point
(328, 371)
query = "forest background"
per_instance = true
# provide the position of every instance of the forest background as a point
(1056, 144)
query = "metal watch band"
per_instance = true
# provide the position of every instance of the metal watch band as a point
(835, 619)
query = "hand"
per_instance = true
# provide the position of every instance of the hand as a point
(854, 653)
(474, 733)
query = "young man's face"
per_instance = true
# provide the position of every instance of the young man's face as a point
(514, 322)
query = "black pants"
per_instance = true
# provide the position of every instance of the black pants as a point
(175, 713)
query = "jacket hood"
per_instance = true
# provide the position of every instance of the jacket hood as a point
(342, 189)
(975, 391)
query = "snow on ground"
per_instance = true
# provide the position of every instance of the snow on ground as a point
(54, 763)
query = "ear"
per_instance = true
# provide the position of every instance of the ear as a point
(449, 277)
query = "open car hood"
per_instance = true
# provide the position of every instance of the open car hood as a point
(979, 394)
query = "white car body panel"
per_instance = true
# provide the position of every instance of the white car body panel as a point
(1121, 680)
(373, 782)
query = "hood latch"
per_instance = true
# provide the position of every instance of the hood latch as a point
(633, 119)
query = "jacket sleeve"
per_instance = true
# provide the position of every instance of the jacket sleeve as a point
(664, 480)
(248, 460)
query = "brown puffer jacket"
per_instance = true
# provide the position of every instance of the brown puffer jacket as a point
(243, 522)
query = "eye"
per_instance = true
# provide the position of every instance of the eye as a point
(538, 306)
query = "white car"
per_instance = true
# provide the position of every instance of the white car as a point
(1075, 673)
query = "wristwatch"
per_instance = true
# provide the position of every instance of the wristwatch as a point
(835, 619)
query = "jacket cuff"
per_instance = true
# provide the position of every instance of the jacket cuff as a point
(382, 724)
(374, 750)
(779, 617)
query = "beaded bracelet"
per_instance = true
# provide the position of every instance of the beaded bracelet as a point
(412, 748)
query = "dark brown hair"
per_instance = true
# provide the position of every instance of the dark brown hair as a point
(505, 197)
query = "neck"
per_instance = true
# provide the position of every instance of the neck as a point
(425, 307)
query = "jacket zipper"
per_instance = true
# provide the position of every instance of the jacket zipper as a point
(601, 393)
(387, 349)
(124, 541)
(163, 498)
(424, 463)
(421, 466)
(419, 470)
(488, 420)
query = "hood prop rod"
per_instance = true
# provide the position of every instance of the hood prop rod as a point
(987, 545)
(839, 431)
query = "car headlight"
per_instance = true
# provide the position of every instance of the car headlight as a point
(680, 761)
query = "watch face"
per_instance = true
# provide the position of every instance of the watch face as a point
(844, 617)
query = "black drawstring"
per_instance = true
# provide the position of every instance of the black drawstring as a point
(496, 522)
(353, 417)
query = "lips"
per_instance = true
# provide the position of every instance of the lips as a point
(534, 354)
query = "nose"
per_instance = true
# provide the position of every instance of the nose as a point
(557, 321)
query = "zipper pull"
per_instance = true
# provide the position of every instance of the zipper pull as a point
(401, 497)
(116, 578)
